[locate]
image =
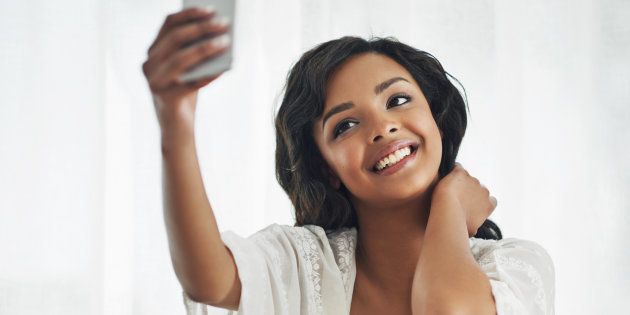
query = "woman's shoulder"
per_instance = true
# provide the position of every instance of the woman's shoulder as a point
(311, 236)
(312, 241)
(521, 273)
(517, 248)
(345, 234)
(275, 230)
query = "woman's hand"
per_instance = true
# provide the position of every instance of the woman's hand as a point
(171, 55)
(474, 198)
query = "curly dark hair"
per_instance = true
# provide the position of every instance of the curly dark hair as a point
(298, 160)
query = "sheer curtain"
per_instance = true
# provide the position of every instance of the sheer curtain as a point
(81, 226)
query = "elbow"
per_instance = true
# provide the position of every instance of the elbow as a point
(439, 309)
(452, 306)
(200, 298)
(450, 310)
(192, 290)
(196, 292)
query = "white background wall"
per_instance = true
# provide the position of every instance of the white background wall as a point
(81, 226)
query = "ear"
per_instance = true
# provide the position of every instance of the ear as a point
(333, 179)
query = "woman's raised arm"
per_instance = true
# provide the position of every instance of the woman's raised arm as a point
(203, 264)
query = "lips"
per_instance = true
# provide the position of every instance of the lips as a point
(391, 148)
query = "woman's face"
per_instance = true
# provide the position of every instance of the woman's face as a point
(387, 106)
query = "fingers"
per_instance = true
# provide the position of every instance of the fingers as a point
(459, 168)
(169, 71)
(185, 39)
(179, 18)
(193, 86)
(202, 82)
(493, 200)
(186, 34)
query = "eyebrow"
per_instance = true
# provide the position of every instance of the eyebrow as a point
(378, 89)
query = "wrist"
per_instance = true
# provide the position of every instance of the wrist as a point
(176, 139)
(442, 195)
(449, 209)
(445, 202)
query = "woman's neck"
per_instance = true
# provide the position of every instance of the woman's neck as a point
(389, 241)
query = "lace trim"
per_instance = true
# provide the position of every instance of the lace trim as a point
(308, 250)
(489, 255)
(343, 248)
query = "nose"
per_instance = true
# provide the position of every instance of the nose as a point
(383, 128)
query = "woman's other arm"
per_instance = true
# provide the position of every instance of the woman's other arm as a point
(448, 280)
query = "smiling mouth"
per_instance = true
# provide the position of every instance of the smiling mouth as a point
(413, 149)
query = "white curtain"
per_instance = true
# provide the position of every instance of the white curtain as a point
(81, 226)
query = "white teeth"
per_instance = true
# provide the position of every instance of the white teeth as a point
(393, 158)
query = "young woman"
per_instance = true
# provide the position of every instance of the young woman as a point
(386, 221)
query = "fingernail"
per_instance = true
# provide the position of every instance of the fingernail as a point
(221, 21)
(221, 40)
(208, 8)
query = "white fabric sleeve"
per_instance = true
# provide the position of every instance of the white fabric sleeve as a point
(267, 268)
(521, 274)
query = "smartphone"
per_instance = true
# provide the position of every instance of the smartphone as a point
(223, 62)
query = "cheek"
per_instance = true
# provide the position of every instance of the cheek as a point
(428, 124)
(348, 158)
(425, 126)
(348, 163)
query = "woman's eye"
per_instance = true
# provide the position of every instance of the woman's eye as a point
(394, 102)
(339, 130)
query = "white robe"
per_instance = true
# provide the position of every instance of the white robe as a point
(300, 270)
